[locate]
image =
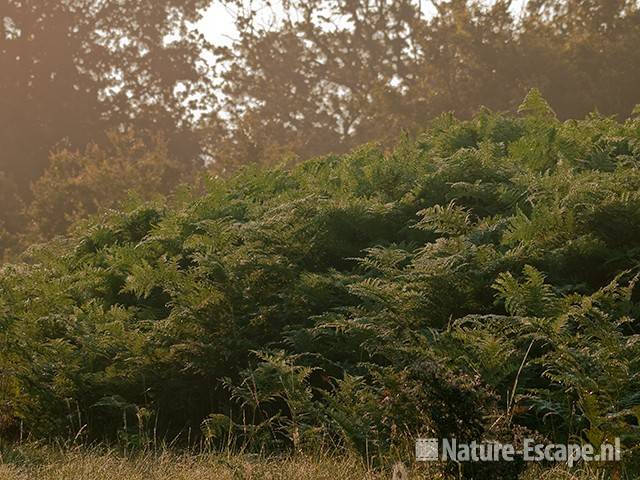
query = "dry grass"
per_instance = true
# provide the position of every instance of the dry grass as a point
(47, 464)
(108, 466)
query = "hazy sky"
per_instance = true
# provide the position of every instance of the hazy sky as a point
(217, 22)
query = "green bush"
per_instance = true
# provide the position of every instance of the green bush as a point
(477, 281)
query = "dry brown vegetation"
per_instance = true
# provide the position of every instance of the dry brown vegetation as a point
(109, 466)
(46, 464)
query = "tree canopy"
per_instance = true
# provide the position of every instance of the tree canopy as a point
(74, 69)
(331, 74)
(324, 77)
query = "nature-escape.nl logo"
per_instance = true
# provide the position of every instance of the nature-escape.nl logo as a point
(433, 449)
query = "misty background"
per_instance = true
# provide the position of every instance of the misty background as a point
(104, 99)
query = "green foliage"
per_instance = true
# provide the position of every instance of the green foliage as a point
(532, 298)
(452, 286)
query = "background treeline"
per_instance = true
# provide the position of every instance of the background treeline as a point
(98, 98)
(478, 281)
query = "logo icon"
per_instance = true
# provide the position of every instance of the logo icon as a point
(426, 449)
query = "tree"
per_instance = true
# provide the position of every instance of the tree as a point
(315, 82)
(331, 74)
(583, 54)
(77, 183)
(73, 69)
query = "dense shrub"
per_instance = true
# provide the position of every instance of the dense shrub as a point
(477, 281)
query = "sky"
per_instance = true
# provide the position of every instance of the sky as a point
(218, 27)
(217, 24)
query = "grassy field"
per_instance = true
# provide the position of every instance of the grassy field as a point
(38, 463)
(109, 466)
